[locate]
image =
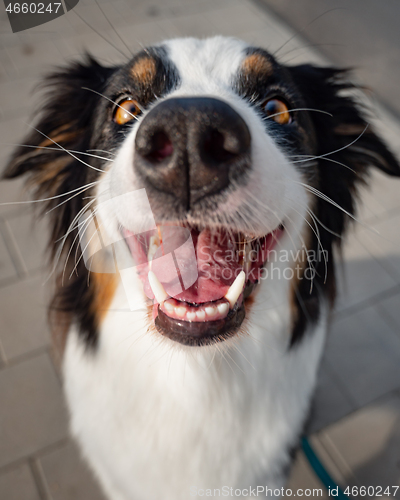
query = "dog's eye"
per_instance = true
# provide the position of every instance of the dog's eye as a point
(125, 111)
(278, 111)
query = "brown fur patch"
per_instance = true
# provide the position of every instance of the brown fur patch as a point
(58, 137)
(257, 64)
(350, 129)
(50, 173)
(144, 70)
(105, 285)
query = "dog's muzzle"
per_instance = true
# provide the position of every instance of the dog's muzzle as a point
(192, 147)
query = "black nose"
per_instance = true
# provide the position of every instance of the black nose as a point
(192, 147)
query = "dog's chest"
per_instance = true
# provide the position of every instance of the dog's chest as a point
(206, 418)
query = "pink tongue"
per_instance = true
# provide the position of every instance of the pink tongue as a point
(215, 264)
(217, 267)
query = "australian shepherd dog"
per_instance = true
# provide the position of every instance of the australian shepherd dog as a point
(198, 196)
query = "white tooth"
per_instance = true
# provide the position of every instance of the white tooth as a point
(191, 316)
(223, 308)
(180, 311)
(159, 293)
(152, 250)
(168, 306)
(236, 289)
(201, 315)
(211, 311)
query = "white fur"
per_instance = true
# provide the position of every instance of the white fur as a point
(154, 418)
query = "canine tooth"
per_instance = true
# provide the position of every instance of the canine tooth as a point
(159, 293)
(236, 289)
(201, 314)
(211, 311)
(223, 308)
(168, 306)
(191, 316)
(180, 311)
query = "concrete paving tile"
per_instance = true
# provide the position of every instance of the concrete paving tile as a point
(231, 21)
(17, 95)
(33, 411)
(18, 484)
(41, 56)
(7, 64)
(362, 276)
(67, 475)
(385, 245)
(7, 268)
(368, 442)
(88, 18)
(107, 50)
(371, 206)
(176, 8)
(11, 194)
(363, 352)
(12, 131)
(331, 400)
(390, 310)
(142, 34)
(30, 236)
(23, 320)
(381, 196)
(116, 13)
(196, 25)
(303, 476)
(3, 73)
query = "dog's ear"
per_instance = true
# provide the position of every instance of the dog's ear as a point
(64, 123)
(346, 146)
(50, 156)
(347, 129)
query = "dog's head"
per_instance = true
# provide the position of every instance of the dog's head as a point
(240, 159)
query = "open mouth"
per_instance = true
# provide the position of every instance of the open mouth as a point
(199, 277)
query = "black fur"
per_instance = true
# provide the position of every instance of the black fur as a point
(73, 110)
(338, 176)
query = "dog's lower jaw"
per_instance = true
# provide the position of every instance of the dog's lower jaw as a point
(155, 419)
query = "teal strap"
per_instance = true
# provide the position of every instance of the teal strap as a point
(320, 470)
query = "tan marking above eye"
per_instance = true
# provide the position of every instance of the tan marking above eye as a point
(126, 110)
(277, 110)
(144, 70)
(257, 64)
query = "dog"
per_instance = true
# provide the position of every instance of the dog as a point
(192, 152)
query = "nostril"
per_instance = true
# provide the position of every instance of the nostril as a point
(161, 147)
(219, 147)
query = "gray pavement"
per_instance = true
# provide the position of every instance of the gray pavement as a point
(355, 424)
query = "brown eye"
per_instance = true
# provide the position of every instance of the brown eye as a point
(277, 111)
(125, 111)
